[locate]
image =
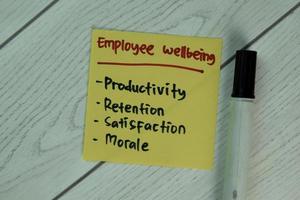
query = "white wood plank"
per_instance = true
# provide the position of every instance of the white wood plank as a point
(275, 156)
(44, 77)
(15, 13)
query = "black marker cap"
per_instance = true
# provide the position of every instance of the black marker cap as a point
(244, 74)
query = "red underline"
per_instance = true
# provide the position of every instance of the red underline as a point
(151, 64)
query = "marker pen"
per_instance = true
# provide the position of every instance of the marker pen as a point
(238, 140)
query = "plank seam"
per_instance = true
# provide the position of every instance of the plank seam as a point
(99, 164)
(264, 32)
(27, 24)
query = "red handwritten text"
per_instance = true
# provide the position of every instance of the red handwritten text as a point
(123, 45)
(185, 52)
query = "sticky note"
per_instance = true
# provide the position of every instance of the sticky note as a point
(152, 99)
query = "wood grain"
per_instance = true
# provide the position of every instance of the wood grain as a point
(43, 88)
(14, 14)
(275, 155)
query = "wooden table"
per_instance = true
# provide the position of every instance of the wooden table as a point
(44, 54)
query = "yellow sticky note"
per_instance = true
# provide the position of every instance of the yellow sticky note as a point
(152, 99)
